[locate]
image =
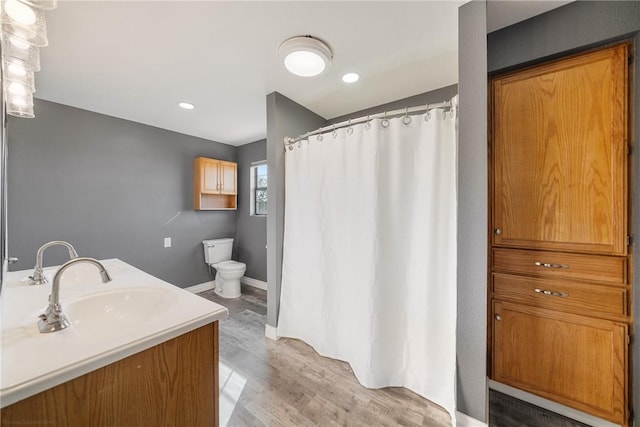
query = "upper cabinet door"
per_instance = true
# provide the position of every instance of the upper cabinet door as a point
(210, 176)
(559, 150)
(228, 174)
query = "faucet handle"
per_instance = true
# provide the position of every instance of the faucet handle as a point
(37, 278)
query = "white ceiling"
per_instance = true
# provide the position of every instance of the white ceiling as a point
(136, 59)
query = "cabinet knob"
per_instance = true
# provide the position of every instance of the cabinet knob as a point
(498, 231)
(497, 317)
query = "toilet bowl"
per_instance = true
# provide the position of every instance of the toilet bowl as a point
(217, 253)
(228, 274)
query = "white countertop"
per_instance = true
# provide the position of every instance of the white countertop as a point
(32, 362)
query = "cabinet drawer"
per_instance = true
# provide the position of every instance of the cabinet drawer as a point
(598, 268)
(573, 297)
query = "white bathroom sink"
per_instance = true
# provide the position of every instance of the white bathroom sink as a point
(107, 311)
(109, 321)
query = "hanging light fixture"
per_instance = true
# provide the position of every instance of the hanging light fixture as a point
(23, 30)
(305, 56)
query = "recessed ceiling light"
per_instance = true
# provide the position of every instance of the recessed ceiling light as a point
(350, 78)
(186, 105)
(305, 56)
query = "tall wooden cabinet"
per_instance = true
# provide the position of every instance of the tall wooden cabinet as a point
(560, 290)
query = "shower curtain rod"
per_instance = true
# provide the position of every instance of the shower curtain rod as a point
(403, 111)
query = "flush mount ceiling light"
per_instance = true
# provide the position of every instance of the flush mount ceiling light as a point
(186, 105)
(305, 56)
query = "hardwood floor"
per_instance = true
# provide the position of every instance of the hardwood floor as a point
(286, 383)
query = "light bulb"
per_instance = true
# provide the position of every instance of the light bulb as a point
(17, 69)
(20, 12)
(304, 63)
(18, 89)
(19, 43)
(19, 101)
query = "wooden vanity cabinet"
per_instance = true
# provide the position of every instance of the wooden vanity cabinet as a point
(560, 286)
(172, 384)
(215, 184)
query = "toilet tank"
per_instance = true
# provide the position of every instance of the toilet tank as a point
(217, 250)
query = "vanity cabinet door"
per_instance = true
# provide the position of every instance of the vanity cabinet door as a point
(559, 148)
(574, 360)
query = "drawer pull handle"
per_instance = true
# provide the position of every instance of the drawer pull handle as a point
(550, 265)
(551, 293)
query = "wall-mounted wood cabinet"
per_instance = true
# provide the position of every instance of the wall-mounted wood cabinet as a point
(215, 184)
(560, 285)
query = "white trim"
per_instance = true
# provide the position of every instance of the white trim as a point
(574, 414)
(464, 420)
(206, 286)
(253, 282)
(271, 332)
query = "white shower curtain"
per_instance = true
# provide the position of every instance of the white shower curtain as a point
(369, 263)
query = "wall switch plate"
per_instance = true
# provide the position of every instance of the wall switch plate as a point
(167, 242)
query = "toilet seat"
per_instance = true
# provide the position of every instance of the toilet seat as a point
(229, 266)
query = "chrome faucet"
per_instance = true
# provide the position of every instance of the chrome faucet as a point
(53, 319)
(38, 278)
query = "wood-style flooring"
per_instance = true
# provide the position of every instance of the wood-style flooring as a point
(286, 383)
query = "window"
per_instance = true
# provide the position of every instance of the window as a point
(259, 188)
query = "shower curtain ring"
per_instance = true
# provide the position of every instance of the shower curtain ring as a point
(385, 122)
(427, 115)
(367, 126)
(406, 119)
(349, 129)
(334, 134)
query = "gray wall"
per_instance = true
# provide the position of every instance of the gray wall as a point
(471, 329)
(251, 234)
(284, 118)
(111, 187)
(431, 97)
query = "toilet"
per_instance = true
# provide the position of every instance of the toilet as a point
(217, 253)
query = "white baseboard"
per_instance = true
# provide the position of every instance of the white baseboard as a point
(271, 332)
(254, 282)
(464, 420)
(550, 405)
(206, 286)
